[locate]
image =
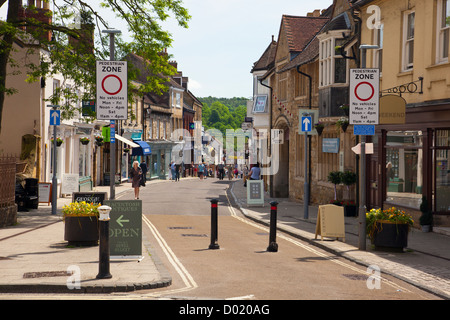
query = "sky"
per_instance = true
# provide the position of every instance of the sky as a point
(224, 39)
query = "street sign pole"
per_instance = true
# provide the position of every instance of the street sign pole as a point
(55, 122)
(306, 124)
(362, 183)
(112, 182)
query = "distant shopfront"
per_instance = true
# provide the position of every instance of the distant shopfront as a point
(412, 160)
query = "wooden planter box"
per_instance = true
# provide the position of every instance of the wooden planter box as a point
(391, 236)
(81, 230)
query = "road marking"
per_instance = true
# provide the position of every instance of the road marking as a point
(306, 247)
(188, 280)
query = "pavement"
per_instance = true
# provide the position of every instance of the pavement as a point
(34, 258)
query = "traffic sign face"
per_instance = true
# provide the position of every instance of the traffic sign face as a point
(112, 90)
(313, 114)
(55, 117)
(363, 130)
(364, 96)
(306, 124)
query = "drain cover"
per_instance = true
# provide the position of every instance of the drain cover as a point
(46, 274)
(179, 228)
(193, 235)
(356, 276)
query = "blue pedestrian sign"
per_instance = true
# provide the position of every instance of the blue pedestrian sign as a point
(307, 124)
(55, 117)
(363, 130)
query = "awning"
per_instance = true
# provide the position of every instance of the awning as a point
(143, 149)
(126, 141)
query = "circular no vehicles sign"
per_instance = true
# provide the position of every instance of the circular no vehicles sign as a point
(364, 96)
(112, 90)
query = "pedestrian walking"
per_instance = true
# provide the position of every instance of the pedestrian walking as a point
(144, 169)
(201, 169)
(174, 174)
(255, 172)
(221, 170)
(177, 172)
(136, 174)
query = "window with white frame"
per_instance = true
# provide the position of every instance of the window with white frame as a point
(443, 30)
(333, 66)
(408, 40)
(378, 53)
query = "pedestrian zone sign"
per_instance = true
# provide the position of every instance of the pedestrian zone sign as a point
(364, 96)
(112, 90)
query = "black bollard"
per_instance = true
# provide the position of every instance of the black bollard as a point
(103, 266)
(273, 246)
(214, 244)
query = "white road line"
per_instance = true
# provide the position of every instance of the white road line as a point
(307, 247)
(188, 280)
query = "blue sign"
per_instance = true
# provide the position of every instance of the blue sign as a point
(330, 145)
(306, 124)
(55, 117)
(112, 127)
(363, 130)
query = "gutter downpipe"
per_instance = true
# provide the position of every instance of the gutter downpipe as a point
(270, 132)
(308, 200)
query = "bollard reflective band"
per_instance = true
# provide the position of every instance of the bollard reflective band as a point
(213, 205)
(273, 208)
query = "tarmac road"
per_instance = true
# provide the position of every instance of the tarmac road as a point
(177, 215)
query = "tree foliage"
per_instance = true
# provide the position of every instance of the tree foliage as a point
(223, 113)
(76, 19)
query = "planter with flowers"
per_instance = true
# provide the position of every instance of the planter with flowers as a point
(99, 140)
(59, 141)
(84, 140)
(81, 223)
(388, 228)
(319, 126)
(342, 123)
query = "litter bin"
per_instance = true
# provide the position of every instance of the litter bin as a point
(32, 191)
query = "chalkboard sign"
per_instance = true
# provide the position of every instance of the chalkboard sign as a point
(95, 197)
(125, 228)
(255, 192)
(330, 222)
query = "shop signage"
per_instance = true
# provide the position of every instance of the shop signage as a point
(364, 96)
(330, 145)
(330, 222)
(392, 109)
(125, 228)
(255, 192)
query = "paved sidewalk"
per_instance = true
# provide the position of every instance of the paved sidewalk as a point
(425, 263)
(34, 258)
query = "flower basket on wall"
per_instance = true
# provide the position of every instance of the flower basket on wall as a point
(319, 128)
(59, 141)
(84, 140)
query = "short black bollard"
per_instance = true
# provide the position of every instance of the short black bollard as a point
(214, 244)
(273, 246)
(103, 266)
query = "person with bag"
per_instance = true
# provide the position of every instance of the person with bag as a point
(136, 175)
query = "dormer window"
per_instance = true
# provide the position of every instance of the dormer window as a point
(332, 65)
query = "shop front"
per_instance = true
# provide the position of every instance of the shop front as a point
(411, 161)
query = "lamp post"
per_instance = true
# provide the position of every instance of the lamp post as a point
(112, 182)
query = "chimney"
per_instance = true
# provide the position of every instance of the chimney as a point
(39, 10)
(185, 82)
(85, 43)
(314, 14)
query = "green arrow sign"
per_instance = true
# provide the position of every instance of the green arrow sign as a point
(125, 228)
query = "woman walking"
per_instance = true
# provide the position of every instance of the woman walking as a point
(136, 174)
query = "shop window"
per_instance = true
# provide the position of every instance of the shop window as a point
(442, 170)
(404, 174)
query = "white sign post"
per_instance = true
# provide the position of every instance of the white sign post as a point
(364, 96)
(112, 90)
